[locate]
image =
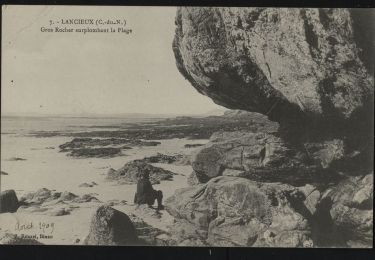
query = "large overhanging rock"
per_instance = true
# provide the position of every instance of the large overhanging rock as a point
(301, 67)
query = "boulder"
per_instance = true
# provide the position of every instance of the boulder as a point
(111, 227)
(132, 170)
(111, 172)
(39, 197)
(8, 201)
(326, 153)
(45, 200)
(85, 198)
(184, 160)
(239, 212)
(193, 179)
(310, 70)
(162, 158)
(186, 234)
(345, 213)
(312, 196)
(149, 235)
(145, 211)
(67, 196)
(234, 173)
(304, 68)
(266, 157)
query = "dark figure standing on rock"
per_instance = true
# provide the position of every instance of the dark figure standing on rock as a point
(145, 193)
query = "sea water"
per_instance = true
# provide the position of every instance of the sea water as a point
(45, 167)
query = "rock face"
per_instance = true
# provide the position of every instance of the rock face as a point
(186, 234)
(8, 201)
(193, 179)
(265, 157)
(111, 227)
(149, 235)
(310, 70)
(232, 211)
(336, 200)
(345, 213)
(131, 171)
(300, 67)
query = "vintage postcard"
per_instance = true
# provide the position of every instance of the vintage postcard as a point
(187, 126)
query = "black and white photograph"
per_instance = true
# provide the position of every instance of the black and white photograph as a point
(187, 126)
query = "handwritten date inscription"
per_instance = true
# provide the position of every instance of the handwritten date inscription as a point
(44, 227)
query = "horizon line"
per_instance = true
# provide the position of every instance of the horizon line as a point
(35, 114)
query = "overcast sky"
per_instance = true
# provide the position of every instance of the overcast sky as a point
(65, 73)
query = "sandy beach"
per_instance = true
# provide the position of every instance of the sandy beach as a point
(45, 167)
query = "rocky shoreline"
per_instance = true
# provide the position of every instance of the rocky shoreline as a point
(316, 164)
(180, 127)
(292, 168)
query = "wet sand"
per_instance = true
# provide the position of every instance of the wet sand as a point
(48, 168)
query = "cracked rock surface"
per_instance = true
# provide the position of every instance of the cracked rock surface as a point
(310, 70)
(230, 211)
(297, 66)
